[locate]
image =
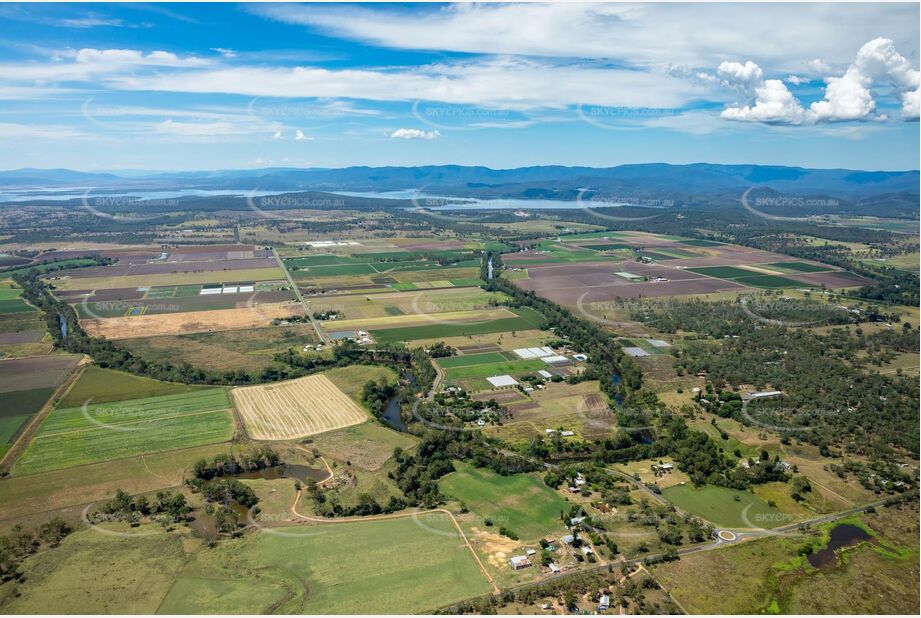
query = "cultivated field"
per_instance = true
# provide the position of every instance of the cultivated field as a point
(190, 322)
(99, 432)
(295, 408)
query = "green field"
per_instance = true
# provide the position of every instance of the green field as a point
(527, 319)
(470, 359)
(398, 566)
(104, 385)
(701, 243)
(799, 267)
(719, 505)
(14, 305)
(722, 272)
(520, 502)
(493, 369)
(71, 437)
(771, 281)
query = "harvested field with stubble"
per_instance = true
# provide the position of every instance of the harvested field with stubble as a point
(295, 408)
(191, 322)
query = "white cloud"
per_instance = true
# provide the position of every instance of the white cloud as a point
(54, 132)
(849, 97)
(277, 135)
(748, 75)
(415, 134)
(818, 66)
(300, 137)
(227, 53)
(495, 83)
(777, 35)
(774, 104)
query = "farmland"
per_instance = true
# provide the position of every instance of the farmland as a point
(521, 503)
(726, 507)
(383, 581)
(99, 432)
(524, 319)
(295, 409)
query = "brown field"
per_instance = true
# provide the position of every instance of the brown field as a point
(192, 322)
(831, 280)
(295, 408)
(39, 372)
(167, 267)
(185, 278)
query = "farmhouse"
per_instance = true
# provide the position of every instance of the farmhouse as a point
(519, 562)
(604, 604)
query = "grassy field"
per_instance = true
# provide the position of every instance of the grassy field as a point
(719, 505)
(798, 267)
(467, 360)
(768, 575)
(722, 272)
(71, 437)
(249, 349)
(92, 573)
(393, 566)
(771, 281)
(36, 498)
(521, 502)
(367, 446)
(492, 369)
(105, 385)
(527, 319)
(170, 279)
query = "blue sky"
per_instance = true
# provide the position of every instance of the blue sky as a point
(174, 87)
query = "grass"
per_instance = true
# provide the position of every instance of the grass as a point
(105, 385)
(767, 575)
(397, 566)
(520, 502)
(31, 498)
(527, 319)
(14, 305)
(92, 573)
(470, 359)
(170, 279)
(71, 437)
(799, 267)
(722, 272)
(493, 369)
(719, 505)
(771, 281)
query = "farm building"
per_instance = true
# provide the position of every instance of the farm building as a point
(760, 394)
(519, 562)
(555, 359)
(544, 374)
(502, 381)
(529, 353)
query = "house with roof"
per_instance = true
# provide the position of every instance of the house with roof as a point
(519, 562)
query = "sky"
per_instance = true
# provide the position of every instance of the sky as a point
(169, 86)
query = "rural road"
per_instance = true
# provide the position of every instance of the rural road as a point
(321, 335)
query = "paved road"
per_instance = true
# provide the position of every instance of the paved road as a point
(321, 335)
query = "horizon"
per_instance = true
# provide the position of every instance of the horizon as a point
(127, 87)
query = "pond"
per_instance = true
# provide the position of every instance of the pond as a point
(289, 471)
(392, 414)
(845, 535)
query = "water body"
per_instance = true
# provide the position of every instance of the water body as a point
(63, 323)
(79, 193)
(392, 414)
(288, 471)
(453, 202)
(489, 270)
(844, 535)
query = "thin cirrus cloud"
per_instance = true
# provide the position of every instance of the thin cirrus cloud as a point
(696, 34)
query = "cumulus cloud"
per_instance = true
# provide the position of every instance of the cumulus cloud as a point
(415, 134)
(773, 102)
(277, 135)
(849, 97)
(300, 137)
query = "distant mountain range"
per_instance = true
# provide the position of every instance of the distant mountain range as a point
(897, 192)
